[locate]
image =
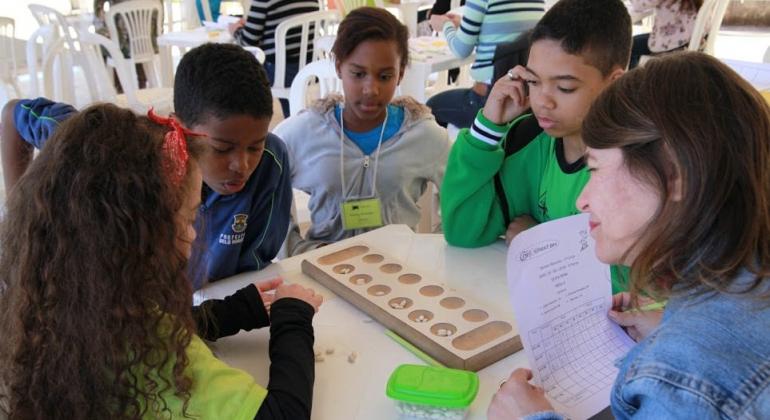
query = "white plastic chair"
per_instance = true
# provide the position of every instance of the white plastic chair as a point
(322, 47)
(142, 20)
(173, 21)
(55, 26)
(139, 100)
(8, 69)
(327, 82)
(706, 29)
(317, 24)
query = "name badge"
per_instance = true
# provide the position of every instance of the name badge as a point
(358, 214)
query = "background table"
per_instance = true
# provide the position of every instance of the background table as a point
(357, 391)
(428, 55)
(184, 40)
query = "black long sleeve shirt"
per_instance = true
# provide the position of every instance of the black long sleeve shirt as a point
(292, 364)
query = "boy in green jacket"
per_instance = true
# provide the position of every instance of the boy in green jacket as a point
(509, 171)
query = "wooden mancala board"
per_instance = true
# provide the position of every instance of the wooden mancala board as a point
(449, 327)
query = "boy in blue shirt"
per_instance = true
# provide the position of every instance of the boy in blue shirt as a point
(221, 92)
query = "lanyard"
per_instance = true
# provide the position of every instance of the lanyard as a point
(376, 153)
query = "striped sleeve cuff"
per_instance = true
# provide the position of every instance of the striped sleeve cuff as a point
(487, 131)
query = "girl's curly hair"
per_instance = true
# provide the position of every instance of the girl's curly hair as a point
(94, 298)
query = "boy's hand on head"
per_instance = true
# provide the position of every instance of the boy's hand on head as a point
(508, 98)
(298, 292)
(637, 323)
(518, 225)
(517, 398)
(267, 290)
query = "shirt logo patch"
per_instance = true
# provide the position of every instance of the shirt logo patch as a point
(239, 222)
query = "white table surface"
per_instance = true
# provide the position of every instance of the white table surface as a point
(357, 391)
(424, 63)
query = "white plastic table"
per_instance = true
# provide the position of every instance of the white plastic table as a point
(357, 391)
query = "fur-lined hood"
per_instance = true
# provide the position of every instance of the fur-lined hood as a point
(414, 111)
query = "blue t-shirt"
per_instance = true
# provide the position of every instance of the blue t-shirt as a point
(245, 230)
(367, 141)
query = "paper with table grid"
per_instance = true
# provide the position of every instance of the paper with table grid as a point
(561, 294)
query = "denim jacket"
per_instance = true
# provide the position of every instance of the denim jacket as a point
(709, 359)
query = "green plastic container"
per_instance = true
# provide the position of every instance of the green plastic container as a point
(429, 392)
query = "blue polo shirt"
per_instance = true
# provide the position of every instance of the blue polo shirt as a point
(245, 230)
(37, 119)
(237, 232)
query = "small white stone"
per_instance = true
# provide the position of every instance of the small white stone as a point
(380, 293)
(330, 350)
(352, 357)
(360, 281)
(319, 358)
(344, 270)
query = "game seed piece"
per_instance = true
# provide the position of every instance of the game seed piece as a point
(330, 350)
(352, 357)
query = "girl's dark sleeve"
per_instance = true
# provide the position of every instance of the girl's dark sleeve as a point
(292, 363)
(244, 310)
(440, 7)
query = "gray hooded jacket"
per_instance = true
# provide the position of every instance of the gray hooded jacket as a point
(408, 160)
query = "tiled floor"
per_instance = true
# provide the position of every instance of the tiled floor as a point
(747, 44)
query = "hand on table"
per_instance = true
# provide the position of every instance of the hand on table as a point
(298, 292)
(518, 225)
(267, 290)
(508, 98)
(517, 398)
(637, 323)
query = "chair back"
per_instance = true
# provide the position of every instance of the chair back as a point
(50, 65)
(103, 90)
(61, 27)
(54, 26)
(308, 26)
(322, 47)
(142, 20)
(320, 74)
(707, 23)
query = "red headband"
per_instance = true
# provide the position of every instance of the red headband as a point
(174, 147)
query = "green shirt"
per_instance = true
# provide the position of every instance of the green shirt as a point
(218, 392)
(537, 180)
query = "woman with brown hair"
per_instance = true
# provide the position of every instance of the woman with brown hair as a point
(680, 191)
(95, 313)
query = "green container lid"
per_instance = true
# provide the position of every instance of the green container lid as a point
(431, 385)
